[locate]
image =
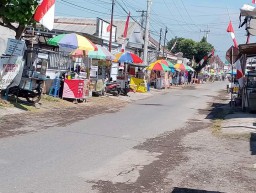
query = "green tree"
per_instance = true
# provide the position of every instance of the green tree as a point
(191, 49)
(17, 14)
(203, 48)
(174, 44)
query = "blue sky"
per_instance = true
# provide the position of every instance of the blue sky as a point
(183, 18)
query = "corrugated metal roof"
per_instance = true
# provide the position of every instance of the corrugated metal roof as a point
(76, 24)
(88, 25)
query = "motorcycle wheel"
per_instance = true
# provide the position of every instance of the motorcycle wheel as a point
(34, 96)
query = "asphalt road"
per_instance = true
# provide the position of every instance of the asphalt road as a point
(73, 158)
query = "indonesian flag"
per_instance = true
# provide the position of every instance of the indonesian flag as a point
(232, 33)
(109, 27)
(239, 74)
(254, 1)
(125, 32)
(210, 54)
(44, 13)
(126, 26)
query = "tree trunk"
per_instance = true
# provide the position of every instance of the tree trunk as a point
(19, 30)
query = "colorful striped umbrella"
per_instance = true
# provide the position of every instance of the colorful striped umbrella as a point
(128, 57)
(165, 62)
(72, 41)
(158, 67)
(189, 68)
(101, 54)
(180, 67)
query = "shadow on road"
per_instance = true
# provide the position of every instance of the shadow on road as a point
(253, 143)
(187, 190)
(151, 104)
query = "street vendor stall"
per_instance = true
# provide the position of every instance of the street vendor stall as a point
(76, 80)
(127, 73)
(159, 70)
(247, 82)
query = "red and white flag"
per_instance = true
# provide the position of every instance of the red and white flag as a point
(232, 33)
(210, 54)
(126, 26)
(125, 32)
(254, 1)
(109, 27)
(44, 13)
(239, 72)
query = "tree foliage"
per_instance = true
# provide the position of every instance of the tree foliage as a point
(17, 14)
(190, 48)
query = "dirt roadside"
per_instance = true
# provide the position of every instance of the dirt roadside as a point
(21, 118)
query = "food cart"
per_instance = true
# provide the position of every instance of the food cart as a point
(74, 89)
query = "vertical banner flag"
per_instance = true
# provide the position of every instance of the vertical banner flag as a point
(239, 74)
(254, 1)
(206, 57)
(44, 13)
(126, 26)
(230, 30)
(125, 32)
(232, 33)
(109, 27)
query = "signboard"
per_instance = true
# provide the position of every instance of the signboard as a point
(15, 47)
(73, 89)
(103, 30)
(94, 71)
(235, 54)
(11, 69)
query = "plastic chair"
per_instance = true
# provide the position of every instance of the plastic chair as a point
(54, 90)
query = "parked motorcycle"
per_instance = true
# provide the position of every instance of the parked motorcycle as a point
(32, 96)
(113, 88)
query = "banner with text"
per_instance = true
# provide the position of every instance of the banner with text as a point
(11, 69)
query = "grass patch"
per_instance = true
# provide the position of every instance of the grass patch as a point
(241, 136)
(216, 127)
(219, 116)
(50, 98)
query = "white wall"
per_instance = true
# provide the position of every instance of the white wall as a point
(5, 33)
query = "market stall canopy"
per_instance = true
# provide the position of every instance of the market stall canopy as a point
(101, 54)
(180, 67)
(165, 62)
(235, 72)
(158, 67)
(248, 49)
(189, 68)
(71, 42)
(249, 13)
(248, 10)
(127, 57)
(183, 67)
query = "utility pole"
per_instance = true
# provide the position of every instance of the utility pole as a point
(111, 23)
(142, 18)
(166, 31)
(160, 38)
(146, 39)
(206, 32)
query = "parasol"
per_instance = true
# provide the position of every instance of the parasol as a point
(71, 42)
(127, 57)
